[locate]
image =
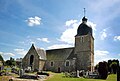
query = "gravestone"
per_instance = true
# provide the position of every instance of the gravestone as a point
(78, 73)
(21, 72)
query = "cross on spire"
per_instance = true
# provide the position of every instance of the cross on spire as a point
(84, 12)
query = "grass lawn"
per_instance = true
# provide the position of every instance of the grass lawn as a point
(60, 77)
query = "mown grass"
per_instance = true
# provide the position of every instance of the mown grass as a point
(60, 77)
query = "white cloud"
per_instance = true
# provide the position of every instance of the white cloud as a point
(43, 40)
(103, 34)
(70, 22)
(33, 21)
(42, 48)
(20, 51)
(8, 54)
(68, 36)
(116, 38)
(32, 42)
(1, 53)
(102, 55)
(56, 46)
(91, 24)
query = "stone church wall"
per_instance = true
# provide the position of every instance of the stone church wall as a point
(59, 66)
(26, 60)
(84, 49)
(41, 65)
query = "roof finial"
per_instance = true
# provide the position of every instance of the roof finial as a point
(84, 12)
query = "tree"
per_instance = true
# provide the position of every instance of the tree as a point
(109, 65)
(114, 67)
(10, 62)
(1, 58)
(103, 70)
(2, 61)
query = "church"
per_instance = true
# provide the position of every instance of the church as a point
(79, 57)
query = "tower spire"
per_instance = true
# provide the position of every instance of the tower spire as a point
(84, 12)
(84, 18)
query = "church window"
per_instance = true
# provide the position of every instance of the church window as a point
(67, 63)
(82, 39)
(52, 63)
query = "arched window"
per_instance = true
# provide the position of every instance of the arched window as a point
(31, 59)
(52, 64)
(82, 39)
(67, 63)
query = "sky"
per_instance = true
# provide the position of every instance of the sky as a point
(52, 24)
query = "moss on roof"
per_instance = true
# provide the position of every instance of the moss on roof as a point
(59, 54)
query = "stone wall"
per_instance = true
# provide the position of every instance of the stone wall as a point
(59, 66)
(26, 60)
(84, 50)
(41, 65)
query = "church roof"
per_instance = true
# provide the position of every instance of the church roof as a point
(41, 53)
(83, 28)
(60, 54)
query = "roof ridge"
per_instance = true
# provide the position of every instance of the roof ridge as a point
(60, 48)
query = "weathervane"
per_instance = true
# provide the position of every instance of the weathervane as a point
(84, 12)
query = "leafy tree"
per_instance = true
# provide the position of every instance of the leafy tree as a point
(109, 65)
(10, 62)
(96, 67)
(112, 66)
(103, 70)
(1, 58)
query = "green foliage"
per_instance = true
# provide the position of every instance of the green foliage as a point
(1, 58)
(103, 70)
(10, 62)
(3, 71)
(112, 66)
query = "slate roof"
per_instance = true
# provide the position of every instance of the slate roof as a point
(60, 54)
(83, 28)
(41, 53)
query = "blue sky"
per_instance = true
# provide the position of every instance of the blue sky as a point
(53, 24)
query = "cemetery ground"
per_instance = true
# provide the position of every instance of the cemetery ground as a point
(57, 77)
(61, 77)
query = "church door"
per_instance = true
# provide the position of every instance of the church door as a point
(59, 70)
(31, 60)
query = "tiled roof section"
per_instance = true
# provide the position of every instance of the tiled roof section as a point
(41, 53)
(59, 54)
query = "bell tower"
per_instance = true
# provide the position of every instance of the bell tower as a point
(84, 47)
